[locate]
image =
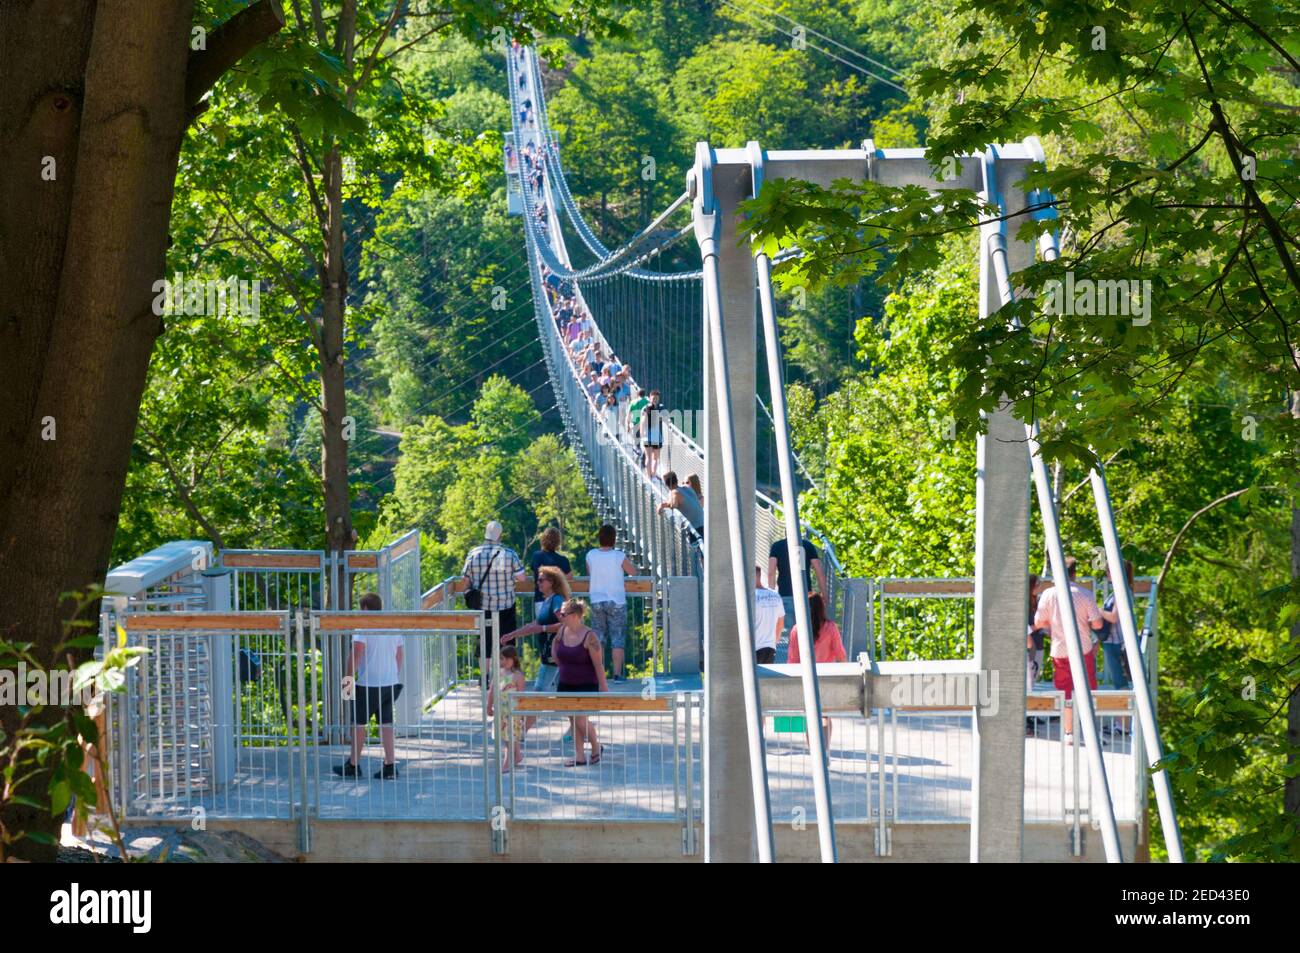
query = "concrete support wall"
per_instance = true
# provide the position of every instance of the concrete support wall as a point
(1001, 608)
(569, 842)
(684, 630)
(1001, 562)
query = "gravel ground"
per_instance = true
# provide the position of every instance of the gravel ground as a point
(169, 845)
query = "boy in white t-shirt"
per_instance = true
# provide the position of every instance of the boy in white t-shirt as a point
(769, 619)
(376, 664)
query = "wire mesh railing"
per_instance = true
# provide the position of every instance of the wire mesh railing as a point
(198, 732)
(646, 629)
(645, 765)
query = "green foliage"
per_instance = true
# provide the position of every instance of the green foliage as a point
(451, 480)
(896, 493)
(612, 115)
(547, 478)
(43, 762)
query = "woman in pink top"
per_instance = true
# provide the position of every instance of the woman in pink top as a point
(828, 646)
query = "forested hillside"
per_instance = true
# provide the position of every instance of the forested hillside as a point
(229, 443)
(454, 422)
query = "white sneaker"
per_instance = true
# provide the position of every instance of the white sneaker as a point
(1069, 738)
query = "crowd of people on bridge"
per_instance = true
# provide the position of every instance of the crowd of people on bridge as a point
(571, 653)
(630, 415)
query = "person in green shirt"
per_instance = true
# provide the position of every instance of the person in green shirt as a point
(634, 410)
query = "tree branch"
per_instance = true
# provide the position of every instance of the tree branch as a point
(1173, 549)
(1259, 31)
(182, 491)
(1234, 148)
(228, 44)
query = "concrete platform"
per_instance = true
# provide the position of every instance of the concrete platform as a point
(659, 842)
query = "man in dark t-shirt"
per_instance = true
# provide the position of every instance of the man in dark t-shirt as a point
(779, 572)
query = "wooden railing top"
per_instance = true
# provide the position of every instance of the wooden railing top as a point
(201, 621)
(578, 585)
(606, 701)
(405, 621)
(273, 560)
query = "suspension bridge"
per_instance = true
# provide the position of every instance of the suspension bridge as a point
(717, 303)
(238, 711)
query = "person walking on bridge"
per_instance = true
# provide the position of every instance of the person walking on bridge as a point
(778, 568)
(582, 669)
(634, 411)
(652, 434)
(828, 645)
(491, 571)
(1087, 617)
(606, 567)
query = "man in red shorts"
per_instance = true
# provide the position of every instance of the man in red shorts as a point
(1088, 617)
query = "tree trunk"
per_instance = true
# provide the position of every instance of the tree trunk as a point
(93, 109)
(104, 97)
(334, 395)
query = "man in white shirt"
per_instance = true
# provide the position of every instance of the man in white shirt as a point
(769, 619)
(606, 568)
(375, 664)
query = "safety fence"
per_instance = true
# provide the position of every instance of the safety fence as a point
(914, 765)
(309, 731)
(244, 715)
(211, 717)
(200, 731)
(306, 580)
(644, 766)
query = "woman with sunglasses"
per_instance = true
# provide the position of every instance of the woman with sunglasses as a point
(582, 669)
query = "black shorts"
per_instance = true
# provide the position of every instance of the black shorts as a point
(765, 656)
(566, 687)
(375, 700)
